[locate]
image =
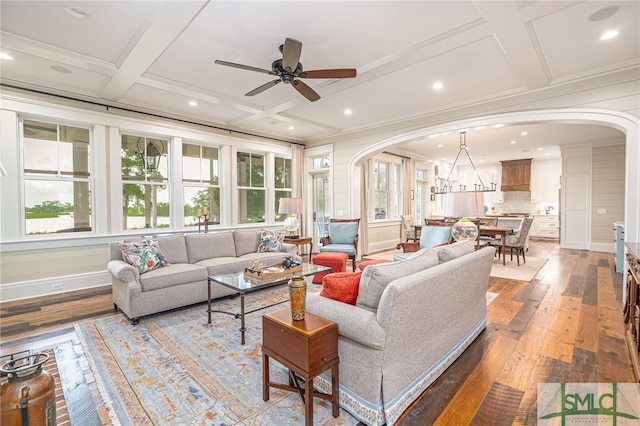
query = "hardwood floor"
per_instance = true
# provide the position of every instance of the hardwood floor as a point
(564, 326)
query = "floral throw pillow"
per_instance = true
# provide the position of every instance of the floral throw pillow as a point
(144, 255)
(270, 241)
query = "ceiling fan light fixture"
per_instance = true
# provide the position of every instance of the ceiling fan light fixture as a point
(289, 70)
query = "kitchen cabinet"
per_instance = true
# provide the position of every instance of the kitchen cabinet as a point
(516, 175)
(631, 310)
(545, 183)
(545, 226)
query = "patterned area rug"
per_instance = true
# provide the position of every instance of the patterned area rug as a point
(174, 368)
(525, 272)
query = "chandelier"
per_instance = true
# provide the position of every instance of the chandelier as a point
(447, 188)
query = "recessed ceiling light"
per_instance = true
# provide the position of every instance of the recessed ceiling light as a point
(193, 103)
(77, 12)
(440, 145)
(513, 142)
(524, 133)
(61, 69)
(609, 35)
(495, 126)
(292, 128)
(347, 111)
(6, 56)
(435, 135)
(603, 13)
(479, 127)
(438, 85)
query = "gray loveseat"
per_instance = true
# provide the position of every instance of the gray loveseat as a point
(192, 258)
(412, 320)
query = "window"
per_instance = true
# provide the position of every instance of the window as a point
(388, 190)
(145, 182)
(282, 184)
(57, 184)
(422, 194)
(251, 188)
(382, 185)
(201, 181)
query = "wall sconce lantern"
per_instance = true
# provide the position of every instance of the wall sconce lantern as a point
(151, 153)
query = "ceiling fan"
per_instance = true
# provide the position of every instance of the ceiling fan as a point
(289, 71)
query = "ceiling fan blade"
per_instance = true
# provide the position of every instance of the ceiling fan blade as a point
(332, 73)
(305, 90)
(291, 54)
(244, 67)
(262, 88)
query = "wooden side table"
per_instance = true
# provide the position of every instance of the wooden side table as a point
(300, 242)
(307, 348)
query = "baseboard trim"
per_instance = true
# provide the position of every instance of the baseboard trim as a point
(602, 247)
(54, 285)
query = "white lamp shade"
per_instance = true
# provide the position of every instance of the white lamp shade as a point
(464, 204)
(290, 206)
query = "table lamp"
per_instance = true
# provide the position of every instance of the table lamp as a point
(292, 207)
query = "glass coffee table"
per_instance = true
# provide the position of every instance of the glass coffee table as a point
(243, 285)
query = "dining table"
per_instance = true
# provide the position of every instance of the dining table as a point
(492, 231)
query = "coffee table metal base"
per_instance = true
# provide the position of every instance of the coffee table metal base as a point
(240, 315)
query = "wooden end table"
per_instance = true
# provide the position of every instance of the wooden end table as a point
(307, 348)
(301, 242)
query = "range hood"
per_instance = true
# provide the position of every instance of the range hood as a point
(516, 175)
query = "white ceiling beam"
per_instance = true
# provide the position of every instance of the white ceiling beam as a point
(171, 19)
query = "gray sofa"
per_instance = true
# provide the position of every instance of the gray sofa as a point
(192, 258)
(412, 320)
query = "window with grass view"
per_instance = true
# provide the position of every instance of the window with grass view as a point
(145, 182)
(201, 184)
(282, 184)
(251, 187)
(57, 184)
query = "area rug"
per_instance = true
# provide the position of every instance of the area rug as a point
(525, 272)
(174, 368)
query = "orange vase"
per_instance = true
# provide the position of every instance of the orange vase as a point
(297, 296)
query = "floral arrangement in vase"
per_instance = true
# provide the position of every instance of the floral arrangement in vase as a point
(547, 209)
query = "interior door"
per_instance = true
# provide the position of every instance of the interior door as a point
(321, 203)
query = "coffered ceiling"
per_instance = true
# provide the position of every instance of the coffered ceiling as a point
(157, 56)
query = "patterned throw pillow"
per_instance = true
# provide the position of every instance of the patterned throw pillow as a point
(144, 255)
(270, 241)
(341, 286)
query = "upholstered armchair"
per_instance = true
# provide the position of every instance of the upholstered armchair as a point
(342, 238)
(430, 236)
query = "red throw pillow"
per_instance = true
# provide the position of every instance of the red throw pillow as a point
(341, 286)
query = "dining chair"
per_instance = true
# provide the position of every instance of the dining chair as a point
(518, 240)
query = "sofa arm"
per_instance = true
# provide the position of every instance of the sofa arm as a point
(354, 323)
(122, 271)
